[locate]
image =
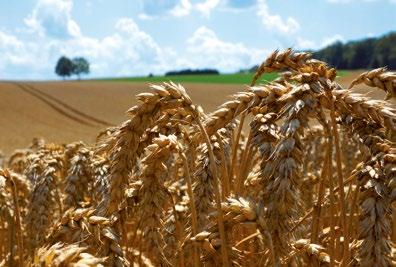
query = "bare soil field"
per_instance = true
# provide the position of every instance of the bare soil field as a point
(77, 110)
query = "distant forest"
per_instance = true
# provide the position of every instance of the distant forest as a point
(362, 54)
(193, 72)
(366, 53)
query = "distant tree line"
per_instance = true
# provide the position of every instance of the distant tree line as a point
(66, 67)
(362, 54)
(367, 53)
(193, 72)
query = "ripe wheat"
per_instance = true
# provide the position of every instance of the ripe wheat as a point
(311, 183)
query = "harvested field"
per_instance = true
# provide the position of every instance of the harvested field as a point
(26, 116)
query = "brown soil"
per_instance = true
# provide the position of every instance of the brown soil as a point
(64, 112)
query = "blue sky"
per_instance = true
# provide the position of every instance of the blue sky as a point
(137, 37)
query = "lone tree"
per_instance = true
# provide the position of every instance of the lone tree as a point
(64, 67)
(80, 66)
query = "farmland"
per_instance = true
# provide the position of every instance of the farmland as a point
(295, 172)
(26, 116)
(235, 78)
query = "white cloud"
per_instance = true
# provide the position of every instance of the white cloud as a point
(307, 44)
(53, 18)
(144, 16)
(10, 48)
(207, 6)
(304, 43)
(275, 22)
(18, 55)
(128, 51)
(331, 40)
(182, 9)
(205, 49)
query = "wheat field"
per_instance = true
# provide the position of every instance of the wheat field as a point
(294, 172)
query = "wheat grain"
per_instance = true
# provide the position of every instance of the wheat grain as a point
(174, 186)
(78, 179)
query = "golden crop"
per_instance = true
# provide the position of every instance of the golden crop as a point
(311, 183)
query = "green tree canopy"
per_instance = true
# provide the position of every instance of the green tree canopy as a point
(64, 67)
(368, 53)
(81, 66)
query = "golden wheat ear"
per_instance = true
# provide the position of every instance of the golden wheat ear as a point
(278, 61)
(379, 78)
(65, 255)
(299, 171)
